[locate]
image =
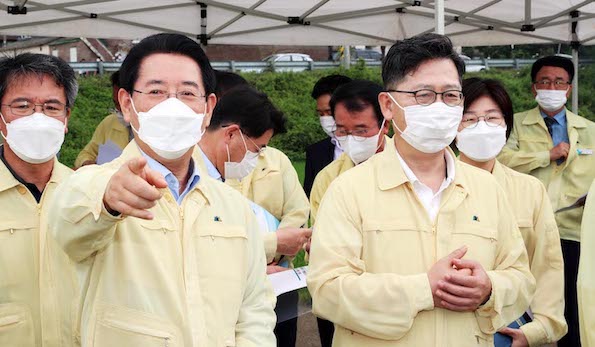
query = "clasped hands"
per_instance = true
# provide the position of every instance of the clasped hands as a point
(459, 284)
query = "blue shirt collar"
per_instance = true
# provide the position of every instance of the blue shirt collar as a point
(211, 169)
(172, 182)
(560, 117)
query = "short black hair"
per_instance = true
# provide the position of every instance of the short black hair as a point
(474, 88)
(251, 110)
(115, 79)
(552, 60)
(169, 44)
(405, 56)
(30, 64)
(356, 96)
(227, 80)
(328, 84)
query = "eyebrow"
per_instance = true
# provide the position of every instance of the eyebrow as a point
(446, 87)
(487, 111)
(185, 83)
(51, 100)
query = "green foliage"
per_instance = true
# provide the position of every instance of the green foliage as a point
(93, 103)
(291, 93)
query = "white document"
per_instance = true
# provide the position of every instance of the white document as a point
(108, 152)
(290, 280)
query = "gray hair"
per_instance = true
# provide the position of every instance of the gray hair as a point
(28, 64)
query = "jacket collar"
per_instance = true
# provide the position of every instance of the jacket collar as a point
(534, 117)
(132, 151)
(390, 173)
(7, 180)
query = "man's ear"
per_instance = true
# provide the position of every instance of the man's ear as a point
(386, 106)
(68, 112)
(210, 106)
(125, 100)
(230, 132)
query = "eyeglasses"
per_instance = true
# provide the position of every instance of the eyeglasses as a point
(25, 108)
(188, 97)
(493, 119)
(426, 97)
(558, 84)
(359, 134)
(259, 149)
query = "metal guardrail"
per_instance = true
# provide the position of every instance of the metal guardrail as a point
(296, 66)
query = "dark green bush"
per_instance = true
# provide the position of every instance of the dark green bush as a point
(291, 93)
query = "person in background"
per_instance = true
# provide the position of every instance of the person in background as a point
(323, 152)
(227, 81)
(556, 146)
(234, 149)
(360, 130)
(413, 247)
(38, 284)
(586, 276)
(174, 257)
(111, 135)
(487, 122)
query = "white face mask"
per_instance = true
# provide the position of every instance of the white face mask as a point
(483, 142)
(358, 148)
(242, 169)
(328, 124)
(551, 100)
(430, 128)
(170, 128)
(36, 138)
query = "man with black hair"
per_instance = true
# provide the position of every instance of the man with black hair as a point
(226, 81)
(360, 130)
(172, 257)
(38, 285)
(556, 146)
(412, 247)
(111, 135)
(235, 149)
(322, 153)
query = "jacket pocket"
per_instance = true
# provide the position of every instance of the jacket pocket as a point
(16, 326)
(481, 242)
(121, 326)
(227, 244)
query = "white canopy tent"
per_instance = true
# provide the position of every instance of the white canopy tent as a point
(309, 22)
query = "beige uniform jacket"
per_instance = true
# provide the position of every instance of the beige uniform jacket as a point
(534, 215)
(374, 244)
(324, 179)
(275, 186)
(192, 276)
(586, 274)
(38, 289)
(528, 151)
(110, 129)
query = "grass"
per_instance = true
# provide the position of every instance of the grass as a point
(300, 167)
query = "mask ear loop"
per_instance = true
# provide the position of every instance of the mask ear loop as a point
(380, 133)
(393, 120)
(6, 127)
(137, 115)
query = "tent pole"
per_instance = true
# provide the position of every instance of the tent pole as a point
(346, 57)
(439, 16)
(575, 80)
(575, 44)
